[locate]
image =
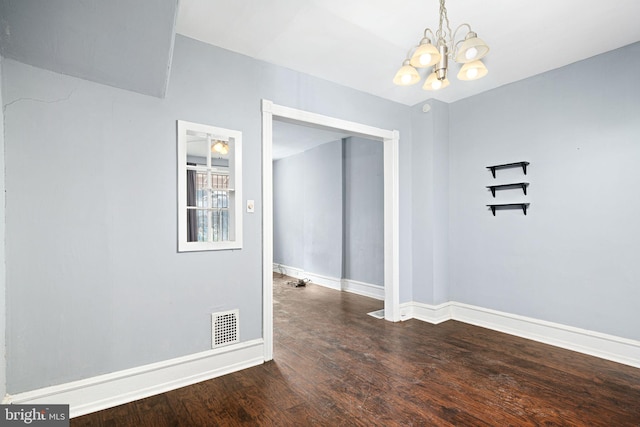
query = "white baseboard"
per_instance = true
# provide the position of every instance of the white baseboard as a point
(428, 313)
(326, 281)
(109, 390)
(362, 288)
(347, 285)
(609, 347)
(294, 272)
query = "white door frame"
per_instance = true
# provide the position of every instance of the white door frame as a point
(390, 140)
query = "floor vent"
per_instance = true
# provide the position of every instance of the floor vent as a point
(224, 328)
(378, 314)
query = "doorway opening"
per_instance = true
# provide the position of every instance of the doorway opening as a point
(390, 140)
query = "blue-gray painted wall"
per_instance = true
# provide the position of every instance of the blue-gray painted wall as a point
(94, 280)
(322, 210)
(289, 211)
(119, 43)
(363, 253)
(3, 315)
(307, 199)
(328, 210)
(430, 202)
(574, 259)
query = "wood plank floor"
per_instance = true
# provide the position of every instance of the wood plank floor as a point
(334, 365)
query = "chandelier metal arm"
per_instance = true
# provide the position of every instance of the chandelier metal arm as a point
(428, 30)
(460, 26)
(454, 44)
(410, 52)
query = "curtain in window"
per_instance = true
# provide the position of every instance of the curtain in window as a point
(192, 218)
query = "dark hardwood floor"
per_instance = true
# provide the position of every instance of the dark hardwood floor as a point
(335, 365)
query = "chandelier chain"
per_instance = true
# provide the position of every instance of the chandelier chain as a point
(444, 18)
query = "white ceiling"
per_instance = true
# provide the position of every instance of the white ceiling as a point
(362, 43)
(356, 43)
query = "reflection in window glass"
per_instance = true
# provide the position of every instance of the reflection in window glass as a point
(211, 206)
(209, 188)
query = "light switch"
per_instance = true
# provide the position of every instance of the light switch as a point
(250, 206)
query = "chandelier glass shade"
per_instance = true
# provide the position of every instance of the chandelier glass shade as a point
(221, 147)
(407, 75)
(471, 49)
(468, 51)
(425, 55)
(433, 83)
(472, 71)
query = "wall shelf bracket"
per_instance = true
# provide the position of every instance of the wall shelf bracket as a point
(522, 185)
(508, 165)
(494, 207)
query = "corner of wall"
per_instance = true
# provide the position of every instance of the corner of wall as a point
(430, 132)
(171, 47)
(441, 202)
(3, 299)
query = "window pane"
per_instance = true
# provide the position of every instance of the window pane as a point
(220, 225)
(203, 225)
(212, 217)
(201, 190)
(220, 199)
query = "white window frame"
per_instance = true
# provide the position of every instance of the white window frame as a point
(235, 192)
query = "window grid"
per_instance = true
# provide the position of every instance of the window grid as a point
(212, 206)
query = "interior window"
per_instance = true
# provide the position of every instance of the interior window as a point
(209, 188)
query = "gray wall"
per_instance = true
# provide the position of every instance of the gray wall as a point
(363, 194)
(307, 190)
(3, 313)
(574, 258)
(288, 211)
(94, 282)
(334, 192)
(322, 209)
(430, 203)
(93, 39)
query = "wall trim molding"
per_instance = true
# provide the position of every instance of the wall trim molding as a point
(326, 281)
(604, 346)
(433, 314)
(109, 390)
(347, 285)
(362, 288)
(296, 273)
(318, 279)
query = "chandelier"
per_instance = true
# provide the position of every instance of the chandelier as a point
(467, 51)
(219, 146)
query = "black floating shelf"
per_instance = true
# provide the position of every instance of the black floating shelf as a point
(508, 165)
(524, 207)
(522, 185)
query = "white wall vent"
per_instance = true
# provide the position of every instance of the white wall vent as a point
(225, 328)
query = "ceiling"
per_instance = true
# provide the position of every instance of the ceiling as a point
(355, 43)
(362, 43)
